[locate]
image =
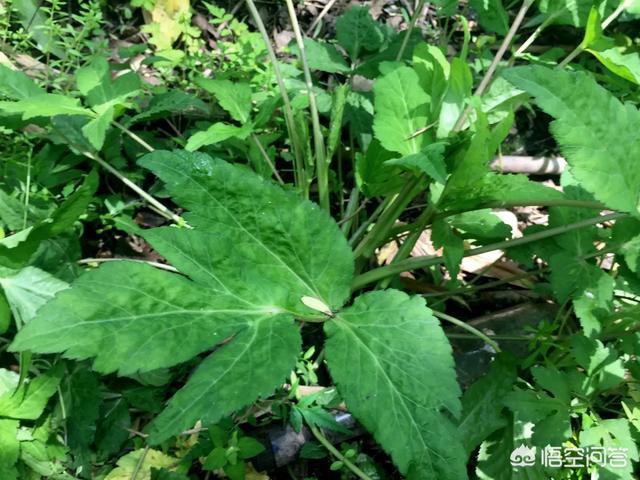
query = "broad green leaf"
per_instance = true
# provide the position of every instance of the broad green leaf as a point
(96, 129)
(497, 191)
(45, 105)
(8, 381)
(482, 403)
(338, 104)
(429, 161)
(393, 366)
(374, 176)
(459, 86)
(30, 399)
(217, 133)
(5, 314)
(93, 75)
(592, 128)
(216, 459)
(234, 97)
(239, 372)
(470, 165)
(173, 102)
(625, 65)
(9, 449)
(67, 130)
(481, 225)
(401, 109)
(631, 252)
(111, 93)
(323, 57)
(249, 447)
(141, 461)
(29, 289)
(356, 32)
(117, 305)
(372, 65)
(492, 15)
(500, 100)
(276, 236)
(358, 116)
(254, 252)
(16, 85)
(317, 416)
(471, 183)
(433, 69)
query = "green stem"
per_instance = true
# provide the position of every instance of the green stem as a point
(579, 49)
(484, 286)
(472, 330)
(412, 24)
(138, 467)
(532, 38)
(495, 337)
(351, 211)
(161, 266)
(322, 169)
(380, 231)
(298, 150)
(135, 137)
(266, 158)
(27, 192)
(425, 218)
(422, 262)
(372, 218)
(336, 453)
(164, 211)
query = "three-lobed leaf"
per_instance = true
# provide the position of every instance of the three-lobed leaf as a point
(257, 257)
(248, 267)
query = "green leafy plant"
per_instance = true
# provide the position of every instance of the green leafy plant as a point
(241, 283)
(273, 251)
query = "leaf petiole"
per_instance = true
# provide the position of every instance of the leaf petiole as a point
(334, 451)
